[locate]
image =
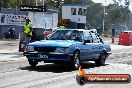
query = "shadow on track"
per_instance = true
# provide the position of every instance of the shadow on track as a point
(56, 68)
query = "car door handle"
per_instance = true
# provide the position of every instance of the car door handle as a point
(92, 45)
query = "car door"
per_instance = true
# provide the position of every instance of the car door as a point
(86, 51)
(97, 46)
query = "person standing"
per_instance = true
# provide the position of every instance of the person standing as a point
(62, 26)
(28, 31)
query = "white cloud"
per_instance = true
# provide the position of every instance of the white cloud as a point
(105, 2)
(130, 7)
(111, 1)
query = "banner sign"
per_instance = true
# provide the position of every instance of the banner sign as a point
(33, 8)
(10, 19)
(40, 20)
(82, 78)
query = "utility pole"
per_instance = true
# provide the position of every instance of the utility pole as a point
(104, 18)
(43, 2)
(44, 16)
(36, 2)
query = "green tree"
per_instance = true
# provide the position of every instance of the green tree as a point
(95, 15)
(14, 3)
(126, 2)
(117, 14)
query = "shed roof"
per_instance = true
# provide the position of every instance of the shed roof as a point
(84, 5)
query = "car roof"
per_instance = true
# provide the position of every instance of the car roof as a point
(75, 29)
(127, 31)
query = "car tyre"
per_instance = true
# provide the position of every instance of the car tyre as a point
(33, 63)
(76, 60)
(81, 80)
(101, 60)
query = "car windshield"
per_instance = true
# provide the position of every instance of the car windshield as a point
(66, 35)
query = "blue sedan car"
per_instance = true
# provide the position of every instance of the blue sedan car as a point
(69, 46)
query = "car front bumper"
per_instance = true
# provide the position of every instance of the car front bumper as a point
(48, 56)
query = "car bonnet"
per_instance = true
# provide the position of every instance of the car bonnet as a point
(53, 43)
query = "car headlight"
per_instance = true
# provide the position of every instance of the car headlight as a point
(62, 50)
(29, 48)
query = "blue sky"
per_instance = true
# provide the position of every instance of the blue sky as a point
(111, 1)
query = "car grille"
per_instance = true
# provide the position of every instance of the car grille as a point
(45, 49)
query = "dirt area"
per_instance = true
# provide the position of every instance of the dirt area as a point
(18, 73)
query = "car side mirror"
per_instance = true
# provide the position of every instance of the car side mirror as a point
(86, 41)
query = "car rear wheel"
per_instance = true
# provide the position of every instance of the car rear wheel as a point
(33, 63)
(101, 60)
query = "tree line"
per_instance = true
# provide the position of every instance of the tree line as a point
(114, 13)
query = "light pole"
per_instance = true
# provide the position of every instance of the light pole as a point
(104, 13)
(36, 2)
(104, 20)
(44, 16)
(43, 2)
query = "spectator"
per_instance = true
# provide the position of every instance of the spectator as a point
(28, 31)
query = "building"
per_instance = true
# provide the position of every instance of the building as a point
(47, 20)
(118, 28)
(11, 18)
(42, 22)
(76, 13)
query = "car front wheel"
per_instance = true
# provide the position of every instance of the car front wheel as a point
(33, 63)
(76, 60)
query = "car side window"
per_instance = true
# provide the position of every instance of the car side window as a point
(80, 36)
(99, 39)
(87, 37)
(95, 38)
(76, 35)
